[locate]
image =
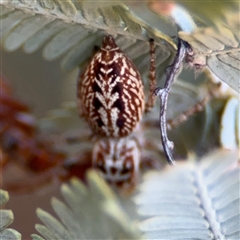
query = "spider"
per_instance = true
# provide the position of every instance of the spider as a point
(122, 145)
(32, 161)
(111, 98)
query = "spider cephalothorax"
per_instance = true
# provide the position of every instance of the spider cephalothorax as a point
(118, 160)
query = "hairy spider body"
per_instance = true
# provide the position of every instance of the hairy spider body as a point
(111, 98)
(118, 159)
(110, 92)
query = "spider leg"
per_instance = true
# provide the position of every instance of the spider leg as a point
(152, 78)
(184, 116)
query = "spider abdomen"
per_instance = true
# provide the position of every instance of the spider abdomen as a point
(110, 92)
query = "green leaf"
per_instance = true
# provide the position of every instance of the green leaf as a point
(88, 213)
(36, 237)
(55, 227)
(4, 197)
(44, 231)
(6, 218)
(10, 234)
(72, 29)
(192, 199)
(218, 50)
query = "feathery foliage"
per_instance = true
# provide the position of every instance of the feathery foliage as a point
(192, 200)
(219, 50)
(92, 212)
(72, 28)
(6, 218)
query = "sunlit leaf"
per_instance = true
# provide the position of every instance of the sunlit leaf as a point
(192, 200)
(189, 200)
(4, 197)
(90, 213)
(6, 218)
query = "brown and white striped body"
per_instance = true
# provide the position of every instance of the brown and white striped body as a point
(111, 98)
(110, 92)
(118, 160)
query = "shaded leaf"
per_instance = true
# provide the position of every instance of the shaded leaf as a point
(10, 234)
(218, 50)
(192, 199)
(75, 28)
(4, 197)
(6, 218)
(185, 95)
(89, 214)
(27, 27)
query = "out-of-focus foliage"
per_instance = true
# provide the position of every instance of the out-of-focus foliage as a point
(212, 12)
(230, 128)
(91, 212)
(208, 13)
(6, 218)
(192, 200)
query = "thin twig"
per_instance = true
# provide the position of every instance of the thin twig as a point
(162, 93)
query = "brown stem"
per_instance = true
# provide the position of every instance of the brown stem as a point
(162, 93)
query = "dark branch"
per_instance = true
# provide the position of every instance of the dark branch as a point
(162, 93)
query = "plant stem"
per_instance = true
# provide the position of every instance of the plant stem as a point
(162, 93)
